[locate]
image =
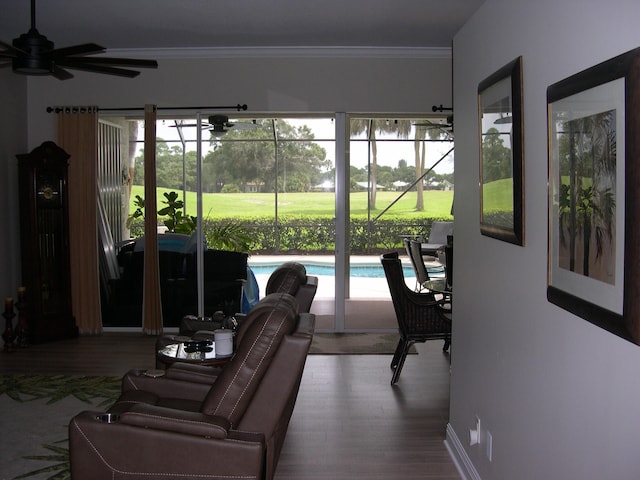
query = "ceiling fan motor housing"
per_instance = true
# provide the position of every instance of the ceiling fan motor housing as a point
(218, 120)
(37, 61)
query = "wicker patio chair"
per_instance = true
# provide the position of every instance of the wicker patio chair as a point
(420, 316)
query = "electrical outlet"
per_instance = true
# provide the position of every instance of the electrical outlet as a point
(474, 434)
(488, 439)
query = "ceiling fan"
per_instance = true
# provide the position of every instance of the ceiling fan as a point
(219, 125)
(34, 54)
(443, 125)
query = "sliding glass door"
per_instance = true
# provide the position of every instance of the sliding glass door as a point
(259, 185)
(400, 176)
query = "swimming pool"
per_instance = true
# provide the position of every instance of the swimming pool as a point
(361, 270)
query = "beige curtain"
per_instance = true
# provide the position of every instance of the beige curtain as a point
(78, 136)
(152, 306)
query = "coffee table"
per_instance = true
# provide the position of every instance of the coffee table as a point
(176, 352)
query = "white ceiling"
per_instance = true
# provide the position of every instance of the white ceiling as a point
(144, 24)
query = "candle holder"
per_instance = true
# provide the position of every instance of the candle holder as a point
(8, 335)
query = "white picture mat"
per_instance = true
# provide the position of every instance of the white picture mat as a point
(610, 96)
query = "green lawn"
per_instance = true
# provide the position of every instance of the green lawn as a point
(498, 196)
(437, 204)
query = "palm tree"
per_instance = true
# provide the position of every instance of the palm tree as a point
(589, 209)
(369, 125)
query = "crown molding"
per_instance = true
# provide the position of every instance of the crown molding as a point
(286, 52)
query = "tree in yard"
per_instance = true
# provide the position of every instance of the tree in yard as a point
(246, 156)
(169, 167)
(496, 158)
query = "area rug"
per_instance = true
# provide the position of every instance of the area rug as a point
(35, 411)
(355, 343)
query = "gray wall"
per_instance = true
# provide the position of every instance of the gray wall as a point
(559, 395)
(278, 84)
(13, 140)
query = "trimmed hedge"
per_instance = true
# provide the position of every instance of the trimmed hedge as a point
(317, 234)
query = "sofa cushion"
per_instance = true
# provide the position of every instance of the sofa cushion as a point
(263, 330)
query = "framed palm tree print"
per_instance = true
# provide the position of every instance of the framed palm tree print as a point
(594, 194)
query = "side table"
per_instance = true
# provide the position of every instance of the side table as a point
(176, 352)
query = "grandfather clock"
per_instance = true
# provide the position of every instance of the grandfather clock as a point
(44, 233)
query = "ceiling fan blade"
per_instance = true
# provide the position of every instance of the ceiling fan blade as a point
(243, 126)
(10, 51)
(83, 49)
(87, 66)
(204, 125)
(61, 73)
(123, 62)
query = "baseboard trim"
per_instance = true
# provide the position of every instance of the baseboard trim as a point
(459, 456)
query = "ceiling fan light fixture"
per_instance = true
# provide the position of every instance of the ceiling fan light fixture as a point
(32, 66)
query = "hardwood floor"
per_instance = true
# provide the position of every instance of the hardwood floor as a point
(349, 423)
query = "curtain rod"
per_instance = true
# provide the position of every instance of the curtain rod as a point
(238, 107)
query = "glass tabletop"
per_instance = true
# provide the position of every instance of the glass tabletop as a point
(438, 285)
(178, 351)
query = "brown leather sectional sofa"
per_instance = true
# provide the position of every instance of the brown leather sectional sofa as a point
(203, 423)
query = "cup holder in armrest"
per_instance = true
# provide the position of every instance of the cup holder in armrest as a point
(108, 417)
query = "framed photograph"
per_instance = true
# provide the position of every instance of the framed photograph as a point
(594, 195)
(501, 154)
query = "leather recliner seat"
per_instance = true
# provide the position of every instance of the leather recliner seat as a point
(233, 425)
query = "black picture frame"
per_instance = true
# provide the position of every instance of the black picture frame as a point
(500, 121)
(594, 195)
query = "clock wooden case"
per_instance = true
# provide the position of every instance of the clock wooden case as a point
(44, 233)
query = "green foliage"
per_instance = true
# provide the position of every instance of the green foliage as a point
(306, 221)
(496, 158)
(177, 221)
(169, 167)
(227, 235)
(138, 212)
(231, 188)
(500, 218)
(309, 234)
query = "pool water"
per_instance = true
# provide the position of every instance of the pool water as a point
(357, 270)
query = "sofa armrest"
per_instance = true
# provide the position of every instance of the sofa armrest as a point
(103, 451)
(178, 421)
(166, 386)
(189, 372)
